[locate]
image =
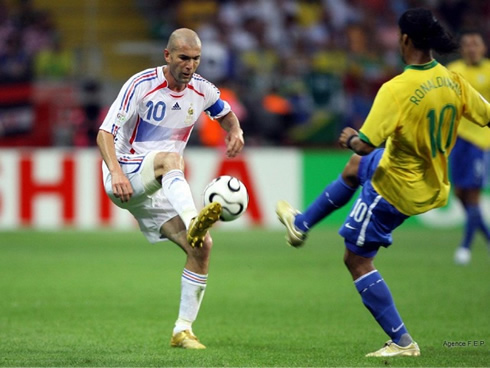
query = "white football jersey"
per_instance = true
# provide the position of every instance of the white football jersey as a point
(148, 116)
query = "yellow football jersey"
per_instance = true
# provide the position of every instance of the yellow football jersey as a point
(479, 77)
(417, 114)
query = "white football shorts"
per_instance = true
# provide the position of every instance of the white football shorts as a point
(147, 204)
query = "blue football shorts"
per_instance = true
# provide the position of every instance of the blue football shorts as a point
(372, 219)
(468, 165)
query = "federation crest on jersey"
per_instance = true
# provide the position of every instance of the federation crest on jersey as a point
(190, 113)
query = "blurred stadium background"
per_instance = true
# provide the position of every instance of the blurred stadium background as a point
(295, 71)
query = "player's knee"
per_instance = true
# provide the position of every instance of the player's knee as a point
(357, 265)
(351, 169)
(167, 161)
(348, 261)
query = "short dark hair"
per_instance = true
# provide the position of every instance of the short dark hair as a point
(470, 31)
(426, 32)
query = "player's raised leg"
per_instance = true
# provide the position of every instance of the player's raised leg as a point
(334, 196)
(169, 169)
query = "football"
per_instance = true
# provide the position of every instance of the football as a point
(231, 193)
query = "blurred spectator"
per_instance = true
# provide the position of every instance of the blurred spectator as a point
(453, 12)
(215, 61)
(210, 132)
(364, 75)
(28, 36)
(90, 118)
(15, 63)
(343, 12)
(192, 13)
(6, 24)
(277, 117)
(24, 14)
(324, 79)
(54, 62)
(41, 34)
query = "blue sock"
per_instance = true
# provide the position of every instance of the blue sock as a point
(377, 298)
(483, 227)
(473, 222)
(334, 196)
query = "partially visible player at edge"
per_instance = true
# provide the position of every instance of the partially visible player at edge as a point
(417, 114)
(142, 141)
(471, 152)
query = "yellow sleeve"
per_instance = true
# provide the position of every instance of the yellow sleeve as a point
(382, 119)
(476, 108)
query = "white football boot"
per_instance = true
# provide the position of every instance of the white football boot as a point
(462, 256)
(286, 214)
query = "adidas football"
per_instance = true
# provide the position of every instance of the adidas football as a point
(231, 193)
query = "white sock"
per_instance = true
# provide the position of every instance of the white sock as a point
(179, 194)
(193, 287)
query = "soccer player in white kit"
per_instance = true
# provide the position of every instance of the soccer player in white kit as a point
(142, 141)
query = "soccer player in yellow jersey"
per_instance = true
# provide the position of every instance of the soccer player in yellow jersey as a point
(467, 160)
(416, 115)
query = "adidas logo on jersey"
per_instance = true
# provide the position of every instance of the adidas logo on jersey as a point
(176, 106)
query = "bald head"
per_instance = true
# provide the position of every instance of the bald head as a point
(183, 55)
(183, 37)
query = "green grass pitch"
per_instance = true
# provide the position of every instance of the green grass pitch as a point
(110, 299)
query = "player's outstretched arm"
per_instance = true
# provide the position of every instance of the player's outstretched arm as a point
(477, 108)
(121, 187)
(234, 137)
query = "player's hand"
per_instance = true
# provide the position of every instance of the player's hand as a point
(345, 135)
(234, 142)
(121, 187)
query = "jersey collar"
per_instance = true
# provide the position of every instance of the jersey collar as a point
(176, 94)
(425, 66)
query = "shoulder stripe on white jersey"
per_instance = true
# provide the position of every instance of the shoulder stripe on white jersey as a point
(191, 87)
(198, 77)
(162, 85)
(137, 80)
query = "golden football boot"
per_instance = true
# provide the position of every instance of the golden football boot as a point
(390, 349)
(286, 214)
(202, 223)
(185, 340)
